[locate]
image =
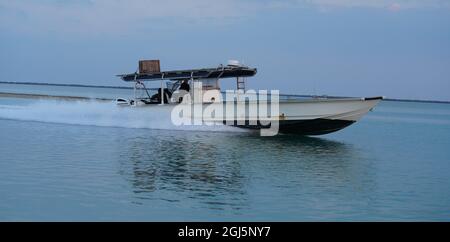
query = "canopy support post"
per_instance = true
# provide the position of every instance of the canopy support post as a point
(162, 89)
(192, 89)
(134, 88)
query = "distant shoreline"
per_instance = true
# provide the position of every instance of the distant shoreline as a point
(64, 85)
(122, 87)
(26, 95)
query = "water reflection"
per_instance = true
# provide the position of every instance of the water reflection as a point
(219, 170)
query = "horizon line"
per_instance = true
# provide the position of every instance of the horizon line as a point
(124, 87)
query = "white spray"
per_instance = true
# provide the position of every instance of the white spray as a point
(99, 114)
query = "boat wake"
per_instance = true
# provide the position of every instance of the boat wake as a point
(97, 113)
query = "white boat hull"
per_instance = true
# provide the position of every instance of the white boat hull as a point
(320, 116)
(303, 117)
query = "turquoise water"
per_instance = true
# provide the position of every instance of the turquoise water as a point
(74, 160)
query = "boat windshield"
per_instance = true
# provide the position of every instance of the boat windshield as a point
(173, 85)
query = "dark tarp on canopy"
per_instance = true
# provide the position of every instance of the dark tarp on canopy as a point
(205, 73)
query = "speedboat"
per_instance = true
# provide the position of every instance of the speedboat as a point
(202, 94)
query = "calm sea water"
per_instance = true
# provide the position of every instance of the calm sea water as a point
(73, 160)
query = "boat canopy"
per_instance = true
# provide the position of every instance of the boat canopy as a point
(227, 71)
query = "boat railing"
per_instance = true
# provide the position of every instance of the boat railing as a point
(282, 97)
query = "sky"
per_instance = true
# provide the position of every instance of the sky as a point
(392, 48)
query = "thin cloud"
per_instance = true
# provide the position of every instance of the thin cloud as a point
(380, 4)
(116, 16)
(394, 7)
